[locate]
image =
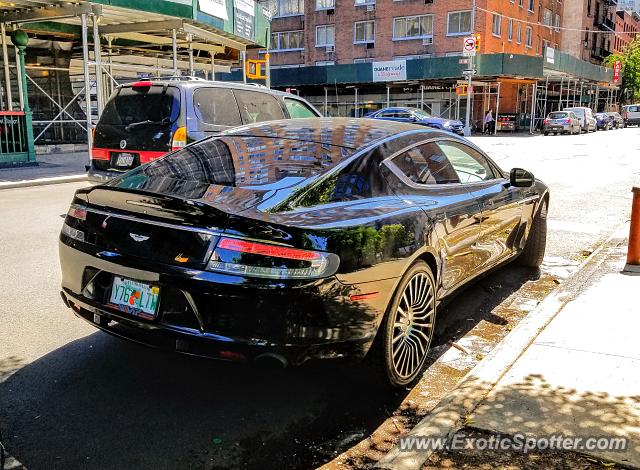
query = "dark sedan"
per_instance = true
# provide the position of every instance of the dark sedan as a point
(418, 116)
(603, 121)
(295, 240)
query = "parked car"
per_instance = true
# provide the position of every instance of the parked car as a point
(561, 122)
(418, 116)
(298, 239)
(587, 121)
(147, 119)
(631, 115)
(603, 121)
(616, 120)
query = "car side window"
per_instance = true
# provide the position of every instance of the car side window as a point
(297, 109)
(404, 115)
(426, 164)
(469, 164)
(216, 106)
(388, 114)
(258, 107)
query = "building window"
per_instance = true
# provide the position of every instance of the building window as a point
(413, 27)
(458, 23)
(289, 7)
(325, 4)
(532, 5)
(365, 2)
(519, 34)
(557, 23)
(363, 60)
(325, 35)
(324, 63)
(364, 32)
(528, 37)
(548, 18)
(496, 27)
(287, 41)
(510, 29)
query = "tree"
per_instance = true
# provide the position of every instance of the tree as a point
(630, 58)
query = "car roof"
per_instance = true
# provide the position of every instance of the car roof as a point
(351, 133)
(195, 84)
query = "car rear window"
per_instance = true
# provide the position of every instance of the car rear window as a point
(256, 106)
(216, 106)
(130, 105)
(245, 161)
(558, 115)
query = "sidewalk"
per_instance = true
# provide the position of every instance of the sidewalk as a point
(52, 168)
(579, 376)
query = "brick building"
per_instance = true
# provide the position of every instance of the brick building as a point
(590, 24)
(324, 32)
(627, 27)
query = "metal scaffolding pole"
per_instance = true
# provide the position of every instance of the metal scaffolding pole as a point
(190, 39)
(87, 87)
(7, 76)
(326, 102)
(356, 111)
(534, 93)
(174, 44)
(495, 128)
(97, 58)
(388, 97)
(213, 65)
(422, 97)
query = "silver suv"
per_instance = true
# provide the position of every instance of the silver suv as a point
(631, 114)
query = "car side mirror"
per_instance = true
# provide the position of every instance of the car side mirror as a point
(520, 178)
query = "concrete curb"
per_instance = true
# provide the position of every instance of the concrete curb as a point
(43, 181)
(450, 414)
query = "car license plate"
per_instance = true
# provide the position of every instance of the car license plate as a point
(125, 159)
(135, 298)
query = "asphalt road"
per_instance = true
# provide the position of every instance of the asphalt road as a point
(73, 397)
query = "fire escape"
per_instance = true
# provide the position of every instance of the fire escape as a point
(604, 22)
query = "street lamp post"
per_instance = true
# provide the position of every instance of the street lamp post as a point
(20, 39)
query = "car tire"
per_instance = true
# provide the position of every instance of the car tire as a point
(406, 332)
(546, 133)
(535, 246)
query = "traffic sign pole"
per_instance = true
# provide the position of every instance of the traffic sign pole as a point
(469, 50)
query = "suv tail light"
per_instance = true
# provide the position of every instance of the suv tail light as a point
(179, 138)
(265, 260)
(568, 120)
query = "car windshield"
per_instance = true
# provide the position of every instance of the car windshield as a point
(141, 106)
(241, 161)
(558, 115)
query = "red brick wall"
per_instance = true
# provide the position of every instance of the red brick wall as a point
(385, 48)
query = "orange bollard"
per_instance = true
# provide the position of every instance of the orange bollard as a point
(633, 252)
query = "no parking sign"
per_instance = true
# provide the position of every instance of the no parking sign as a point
(469, 48)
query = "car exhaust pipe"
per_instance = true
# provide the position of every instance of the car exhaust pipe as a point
(271, 361)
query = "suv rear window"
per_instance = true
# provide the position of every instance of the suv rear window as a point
(155, 103)
(558, 115)
(216, 106)
(633, 109)
(258, 107)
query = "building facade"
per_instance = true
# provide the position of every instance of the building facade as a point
(590, 27)
(627, 26)
(325, 32)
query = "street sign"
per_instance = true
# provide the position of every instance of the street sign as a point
(469, 47)
(617, 68)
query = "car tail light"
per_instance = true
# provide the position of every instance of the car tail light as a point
(568, 120)
(265, 260)
(142, 85)
(179, 138)
(75, 216)
(546, 121)
(77, 212)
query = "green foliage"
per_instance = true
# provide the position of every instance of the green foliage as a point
(630, 58)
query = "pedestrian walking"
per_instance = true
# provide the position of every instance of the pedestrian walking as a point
(489, 122)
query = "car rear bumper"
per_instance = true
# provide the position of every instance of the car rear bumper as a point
(220, 316)
(557, 128)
